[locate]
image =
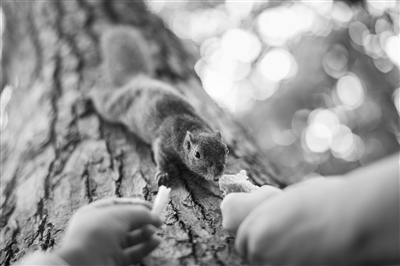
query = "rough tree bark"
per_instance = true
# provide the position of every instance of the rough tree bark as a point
(57, 154)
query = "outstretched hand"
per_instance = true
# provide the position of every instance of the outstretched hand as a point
(303, 225)
(353, 220)
(114, 231)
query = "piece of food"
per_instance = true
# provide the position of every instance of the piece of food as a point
(161, 200)
(236, 183)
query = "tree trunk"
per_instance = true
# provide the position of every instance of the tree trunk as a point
(58, 155)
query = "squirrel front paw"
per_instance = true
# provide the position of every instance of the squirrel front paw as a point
(162, 178)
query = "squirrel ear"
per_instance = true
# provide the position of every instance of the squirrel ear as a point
(218, 134)
(189, 136)
(188, 140)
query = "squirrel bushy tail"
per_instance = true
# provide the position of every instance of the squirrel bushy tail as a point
(125, 54)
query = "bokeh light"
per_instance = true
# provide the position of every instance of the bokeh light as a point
(335, 61)
(350, 91)
(392, 47)
(241, 45)
(377, 8)
(239, 9)
(278, 64)
(207, 23)
(323, 125)
(382, 25)
(181, 23)
(279, 25)
(346, 145)
(313, 141)
(217, 84)
(326, 121)
(306, 17)
(341, 12)
(155, 6)
(358, 31)
(383, 64)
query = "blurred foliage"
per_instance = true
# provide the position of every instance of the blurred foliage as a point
(317, 82)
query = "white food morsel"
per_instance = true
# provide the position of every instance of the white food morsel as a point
(161, 200)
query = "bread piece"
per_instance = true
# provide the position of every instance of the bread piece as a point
(161, 200)
(236, 183)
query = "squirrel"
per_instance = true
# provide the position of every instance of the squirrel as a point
(154, 111)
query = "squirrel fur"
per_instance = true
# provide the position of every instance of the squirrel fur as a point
(154, 111)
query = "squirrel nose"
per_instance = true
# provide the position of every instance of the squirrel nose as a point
(219, 168)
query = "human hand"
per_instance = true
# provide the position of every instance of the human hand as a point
(307, 224)
(116, 231)
(236, 206)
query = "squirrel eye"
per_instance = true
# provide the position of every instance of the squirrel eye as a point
(226, 151)
(197, 155)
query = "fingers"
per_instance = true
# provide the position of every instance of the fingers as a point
(232, 211)
(241, 241)
(140, 235)
(257, 225)
(136, 216)
(250, 239)
(136, 253)
(306, 182)
(119, 201)
(237, 206)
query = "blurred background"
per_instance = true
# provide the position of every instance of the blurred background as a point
(316, 82)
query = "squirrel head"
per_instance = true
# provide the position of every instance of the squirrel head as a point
(205, 154)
